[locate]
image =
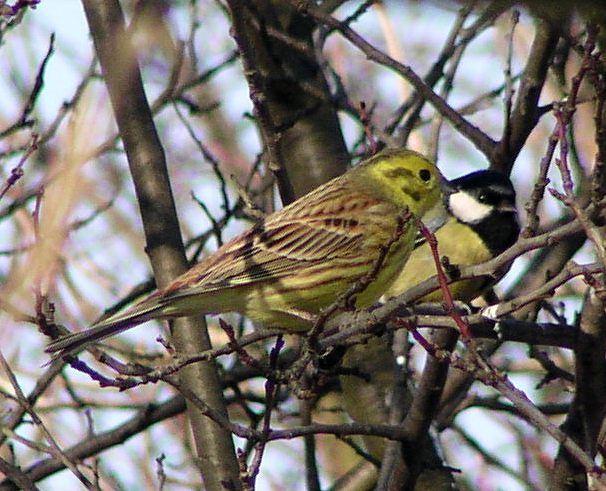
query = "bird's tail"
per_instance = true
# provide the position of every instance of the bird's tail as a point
(76, 342)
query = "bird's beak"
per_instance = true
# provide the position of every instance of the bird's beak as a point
(447, 188)
(506, 207)
(436, 217)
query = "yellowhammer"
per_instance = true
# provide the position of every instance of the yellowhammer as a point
(288, 267)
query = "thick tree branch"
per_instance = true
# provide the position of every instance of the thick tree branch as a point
(525, 114)
(299, 123)
(164, 246)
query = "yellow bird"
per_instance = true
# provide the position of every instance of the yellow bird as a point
(288, 267)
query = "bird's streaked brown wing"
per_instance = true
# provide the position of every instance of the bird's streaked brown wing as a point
(280, 247)
(293, 239)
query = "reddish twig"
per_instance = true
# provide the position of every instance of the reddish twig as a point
(443, 280)
(483, 370)
(345, 300)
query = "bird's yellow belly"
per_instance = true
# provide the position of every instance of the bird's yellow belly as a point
(466, 250)
(271, 303)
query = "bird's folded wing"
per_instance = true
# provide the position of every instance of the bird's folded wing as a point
(270, 253)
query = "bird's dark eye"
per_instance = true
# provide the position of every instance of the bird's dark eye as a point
(425, 174)
(483, 198)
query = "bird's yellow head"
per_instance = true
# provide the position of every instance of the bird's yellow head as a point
(407, 179)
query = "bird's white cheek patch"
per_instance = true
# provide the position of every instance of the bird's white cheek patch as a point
(467, 209)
